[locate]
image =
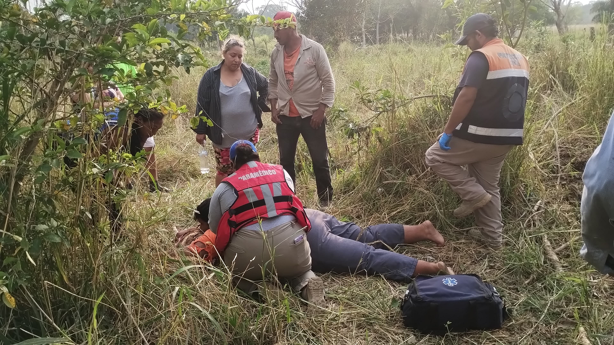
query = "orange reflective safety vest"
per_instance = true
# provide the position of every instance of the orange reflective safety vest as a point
(497, 115)
(262, 193)
(204, 246)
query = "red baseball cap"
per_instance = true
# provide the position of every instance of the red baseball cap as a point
(284, 15)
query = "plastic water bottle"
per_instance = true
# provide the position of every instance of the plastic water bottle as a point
(203, 157)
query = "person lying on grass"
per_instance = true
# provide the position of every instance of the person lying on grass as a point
(338, 246)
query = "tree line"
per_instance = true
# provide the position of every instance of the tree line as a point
(377, 21)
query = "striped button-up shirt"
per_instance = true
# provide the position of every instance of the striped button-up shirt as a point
(314, 82)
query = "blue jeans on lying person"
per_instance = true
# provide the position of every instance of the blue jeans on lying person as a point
(346, 248)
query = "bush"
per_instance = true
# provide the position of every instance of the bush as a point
(55, 185)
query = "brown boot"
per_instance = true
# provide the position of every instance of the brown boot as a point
(477, 235)
(468, 207)
(314, 291)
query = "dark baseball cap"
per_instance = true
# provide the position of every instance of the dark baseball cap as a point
(476, 22)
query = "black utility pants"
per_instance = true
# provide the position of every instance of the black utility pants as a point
(288, 132)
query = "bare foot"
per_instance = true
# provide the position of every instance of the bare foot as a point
(443, 269)
(430, 233)
(431, 268)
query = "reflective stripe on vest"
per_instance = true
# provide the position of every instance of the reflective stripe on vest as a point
(497, 114)
(262, 193)
(505, 73)
(493, 132)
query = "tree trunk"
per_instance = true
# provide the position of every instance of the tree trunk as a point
(364, 29)
(391, 30)
(561, 27)
(379, 12)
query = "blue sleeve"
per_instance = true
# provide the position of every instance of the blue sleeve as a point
(475, 72)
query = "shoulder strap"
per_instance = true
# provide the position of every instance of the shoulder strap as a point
(259, 203)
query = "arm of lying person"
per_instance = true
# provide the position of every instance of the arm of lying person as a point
(187, 236)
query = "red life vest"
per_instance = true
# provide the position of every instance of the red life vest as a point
(262, 193)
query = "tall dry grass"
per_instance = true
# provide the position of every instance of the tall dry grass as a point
(144, 291)
(380, 176)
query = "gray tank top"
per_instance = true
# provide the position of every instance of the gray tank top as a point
(238, 117)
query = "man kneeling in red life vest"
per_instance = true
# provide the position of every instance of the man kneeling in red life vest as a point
(260, 225)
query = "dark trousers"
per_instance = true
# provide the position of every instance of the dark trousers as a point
(288, 133)
(346, 249)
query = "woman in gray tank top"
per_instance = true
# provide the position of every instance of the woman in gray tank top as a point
(231, 99)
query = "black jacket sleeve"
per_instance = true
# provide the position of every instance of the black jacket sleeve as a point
(262, 86)
(203, 102)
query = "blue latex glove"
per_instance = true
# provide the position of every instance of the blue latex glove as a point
(444, 141)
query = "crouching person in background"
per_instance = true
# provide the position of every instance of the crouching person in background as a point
(261, 226)
(597, 206)
(147, 122)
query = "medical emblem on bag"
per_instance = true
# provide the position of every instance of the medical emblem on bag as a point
(449, 281)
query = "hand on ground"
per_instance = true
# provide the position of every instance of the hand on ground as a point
(187, 236)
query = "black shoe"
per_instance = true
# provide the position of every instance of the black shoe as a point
(326, 198)
(155, 186)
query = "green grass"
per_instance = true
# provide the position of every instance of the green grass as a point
(141, 291)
